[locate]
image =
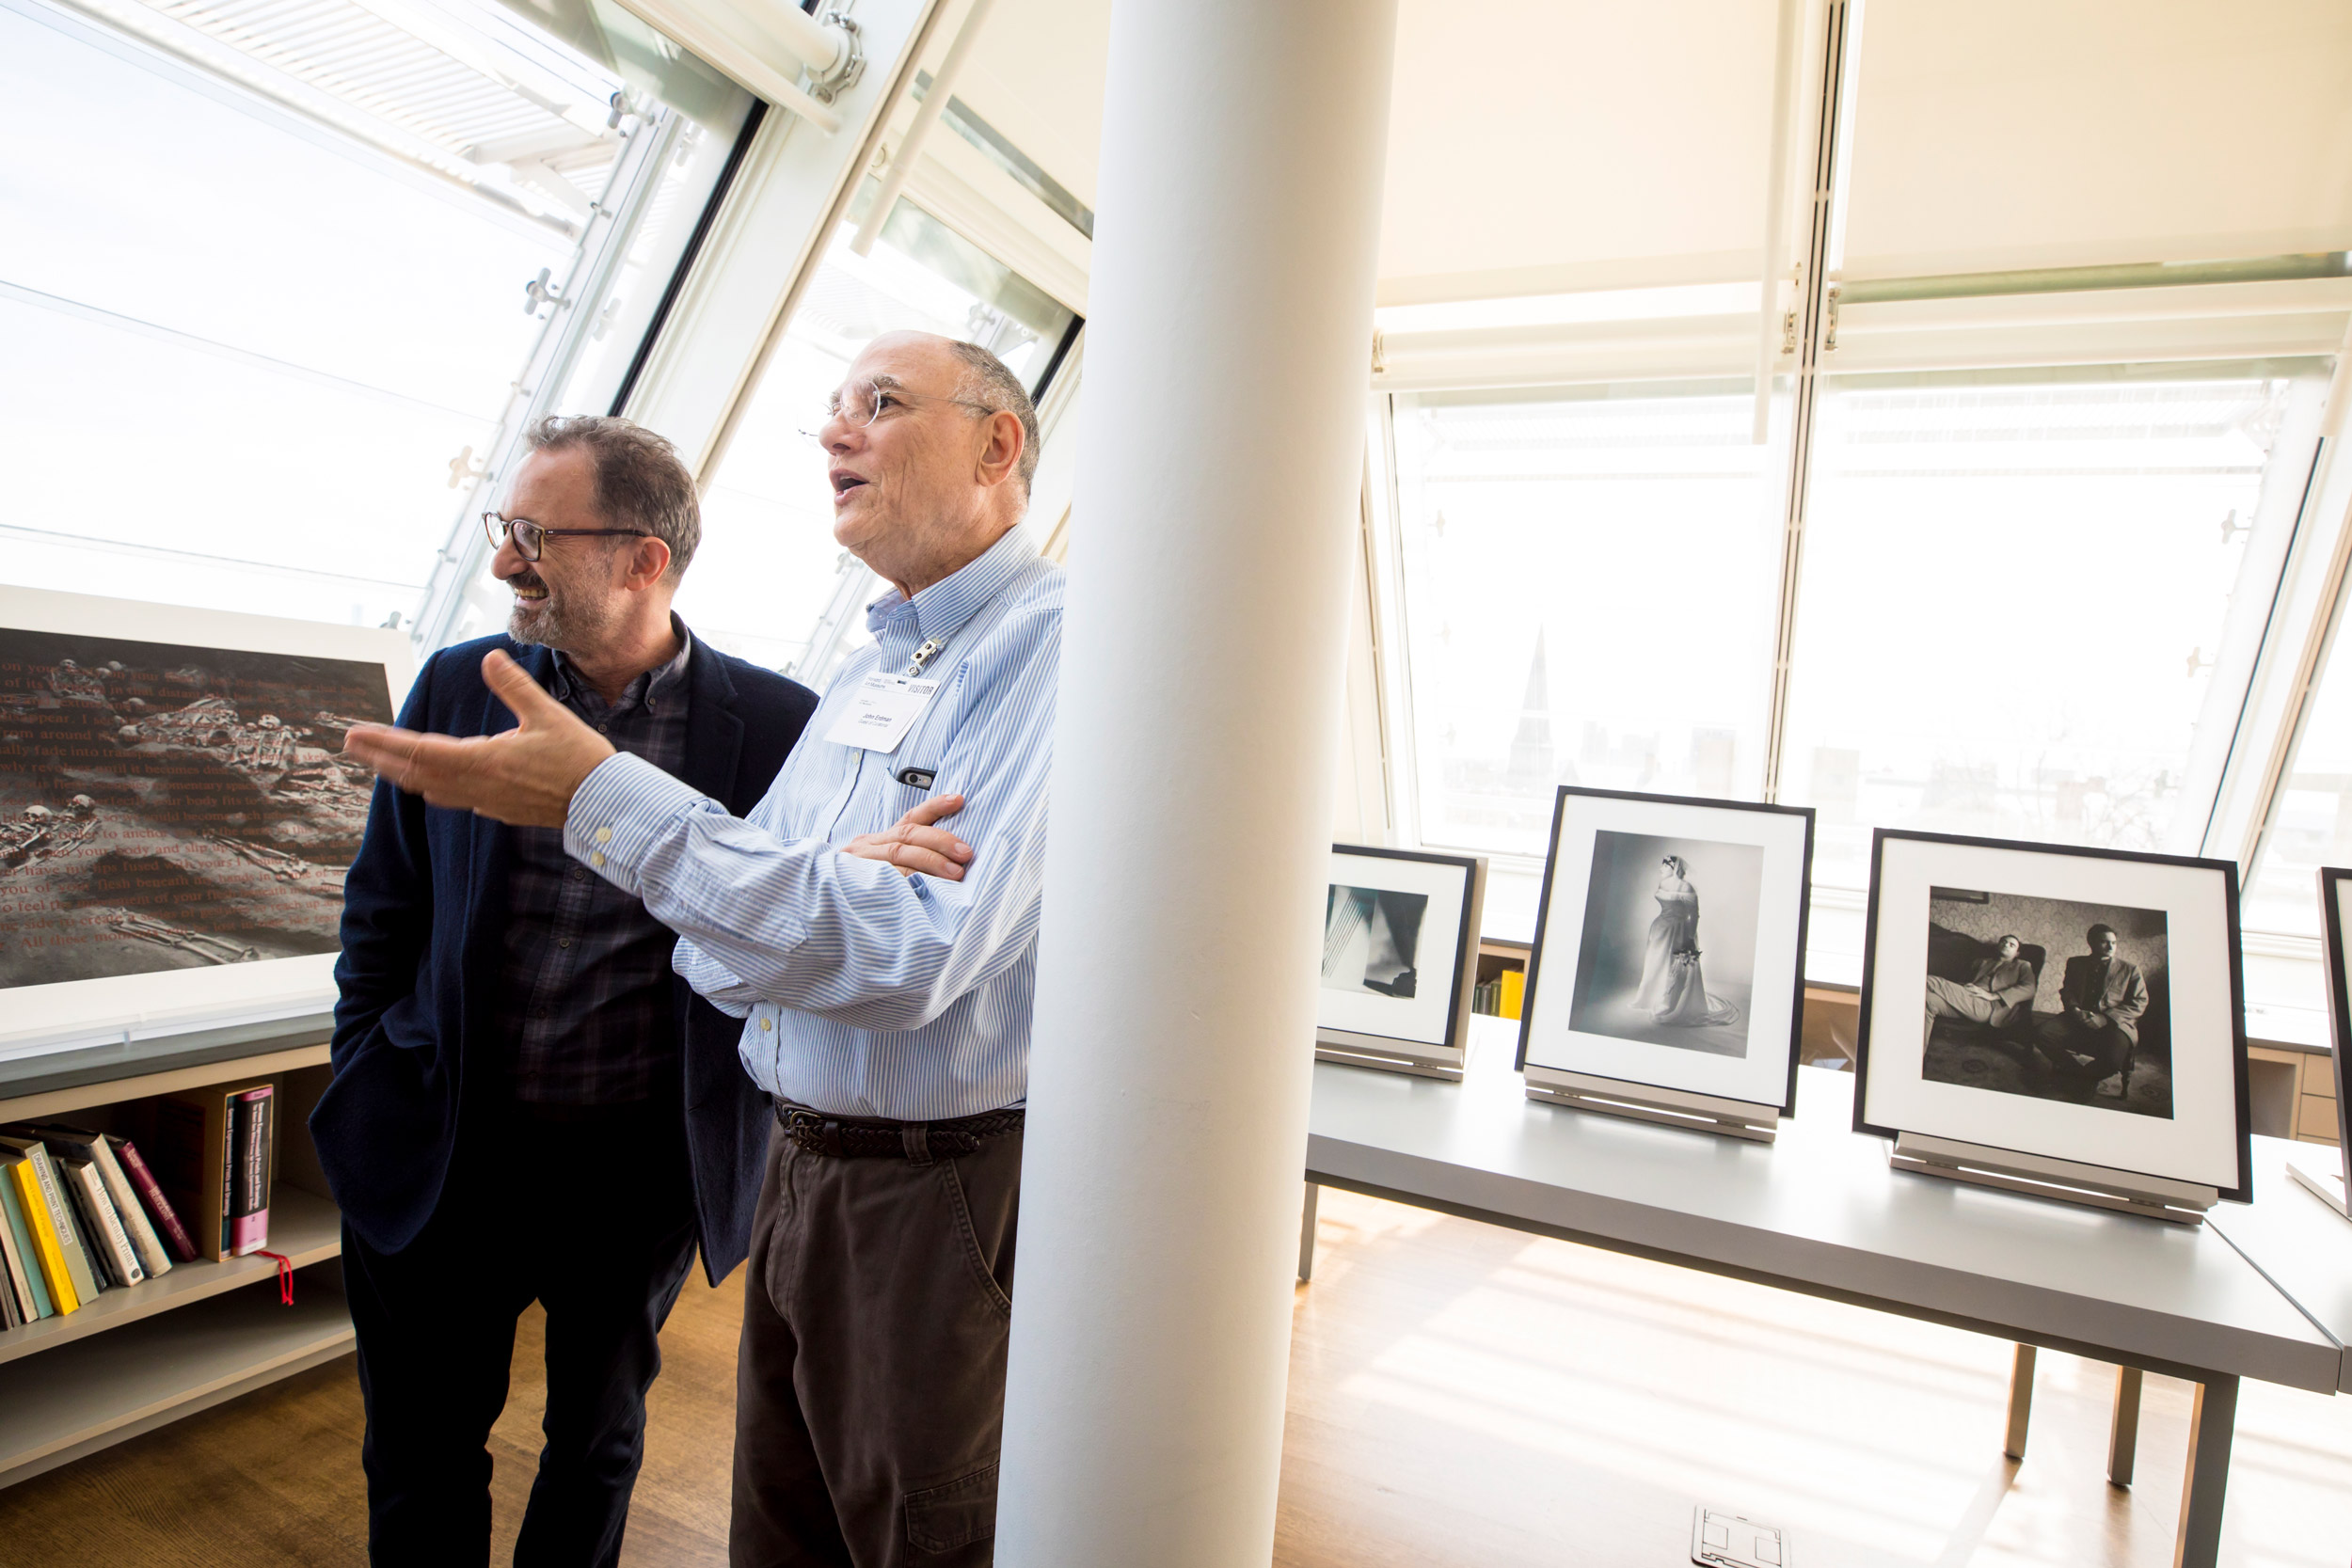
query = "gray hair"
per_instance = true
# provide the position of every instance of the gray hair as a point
(988, 382)
(640, 481)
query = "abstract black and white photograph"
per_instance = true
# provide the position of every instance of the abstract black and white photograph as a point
(2056, 999)
(2049, 997)
(167, 805)
(1400, 951)
(1372, 941)
(1669, 948)
(1669, 945)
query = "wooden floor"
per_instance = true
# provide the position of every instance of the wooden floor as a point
(1459, 1395)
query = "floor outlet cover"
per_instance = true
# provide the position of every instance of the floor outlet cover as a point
(1723, 1540)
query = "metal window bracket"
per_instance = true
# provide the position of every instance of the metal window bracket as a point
(845, 70)
(540, 291)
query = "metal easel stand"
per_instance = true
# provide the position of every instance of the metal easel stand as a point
(2039, 1175)
(1699, 1112)
(2325, 1185)
(1387, 1055)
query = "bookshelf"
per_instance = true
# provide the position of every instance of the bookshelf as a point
(135, 1359)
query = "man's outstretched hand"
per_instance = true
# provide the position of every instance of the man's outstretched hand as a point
(525, 776)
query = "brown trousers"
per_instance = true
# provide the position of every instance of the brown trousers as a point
(870, 1383)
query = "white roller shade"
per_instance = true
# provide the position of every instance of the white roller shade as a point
(2011, 134)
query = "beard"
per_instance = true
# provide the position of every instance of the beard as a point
(557, 621)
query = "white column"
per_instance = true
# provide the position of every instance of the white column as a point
(1227, 362)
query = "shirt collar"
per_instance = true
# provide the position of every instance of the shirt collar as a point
(940, 610)
(651, 686)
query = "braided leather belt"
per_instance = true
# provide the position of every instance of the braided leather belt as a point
(841, 1138)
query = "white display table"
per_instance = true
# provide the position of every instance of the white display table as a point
(1820, 1211)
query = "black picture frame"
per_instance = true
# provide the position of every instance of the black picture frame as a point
(1465, 971)
(2243, 1190)
(2333, 880)
(1804, 907)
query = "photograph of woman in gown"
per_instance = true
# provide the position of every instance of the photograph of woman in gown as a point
(1672, 990)
(1643, 972)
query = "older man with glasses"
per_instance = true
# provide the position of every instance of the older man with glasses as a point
(886, 1007)
(528, 1105)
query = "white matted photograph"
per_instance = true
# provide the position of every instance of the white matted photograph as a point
(1669, 944)
(2335, 910)
(1400, 951)
(2072, 1004)
(175, 813)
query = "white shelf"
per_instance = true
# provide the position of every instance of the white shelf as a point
(303, 1225)
(55, 1408)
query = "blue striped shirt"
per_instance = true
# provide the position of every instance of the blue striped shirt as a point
(866, 992)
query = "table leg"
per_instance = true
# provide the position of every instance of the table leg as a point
(2020, 1401)
(2124, 1435)
(1306, 1234)
(2210, 1429)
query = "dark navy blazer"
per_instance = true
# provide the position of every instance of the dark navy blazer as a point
(422, 946)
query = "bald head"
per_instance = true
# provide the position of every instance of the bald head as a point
(941, 470)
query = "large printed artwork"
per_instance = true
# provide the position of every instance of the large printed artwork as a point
(170, 806)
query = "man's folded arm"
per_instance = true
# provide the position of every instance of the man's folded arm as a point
(712, 980)
(800, 924)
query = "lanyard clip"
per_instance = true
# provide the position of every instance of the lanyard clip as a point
(923, 654)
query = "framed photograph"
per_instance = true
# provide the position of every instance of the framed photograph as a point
(1400, 955)
(176, 814)
(2335, 918)
(1669, 948)
(2075, 1004)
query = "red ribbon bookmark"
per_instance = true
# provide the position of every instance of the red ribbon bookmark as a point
(285, 1274)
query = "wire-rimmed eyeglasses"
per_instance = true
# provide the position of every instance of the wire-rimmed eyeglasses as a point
(859, 403)
(531, 538)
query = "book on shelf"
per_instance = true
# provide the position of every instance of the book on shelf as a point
(159, 1209)
(30, 1283)
(59, 1219)
(77, 1143)
(252, 1114)
(47, 1244)
(100, 1223)
(1514, 992)
(196, 1156)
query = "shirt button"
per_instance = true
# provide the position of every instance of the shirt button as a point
(604, 835)
(595, 860)
(765, 1025)
(579, 876)
(604, 729)
(563, 941)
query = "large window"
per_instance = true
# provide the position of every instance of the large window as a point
(2019, 596)
(276, 284)
(2310, 825)
(769, 584)
(1589, 598)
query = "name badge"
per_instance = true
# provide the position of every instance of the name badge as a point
(880, 711)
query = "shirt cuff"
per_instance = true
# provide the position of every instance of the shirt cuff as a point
(618, 813)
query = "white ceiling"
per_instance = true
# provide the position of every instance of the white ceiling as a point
(1547, 145)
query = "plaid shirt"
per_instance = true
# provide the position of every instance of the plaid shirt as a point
(586, 994)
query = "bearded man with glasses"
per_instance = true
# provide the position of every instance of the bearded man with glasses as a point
(886, 1007)
(528, 1104)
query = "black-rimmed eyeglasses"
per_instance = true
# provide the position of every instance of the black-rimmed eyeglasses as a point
(530, 538)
